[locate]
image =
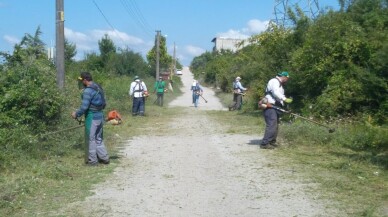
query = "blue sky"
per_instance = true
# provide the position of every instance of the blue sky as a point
(190, 24)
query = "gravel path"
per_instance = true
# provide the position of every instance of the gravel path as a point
(197, 169)
(213, 103)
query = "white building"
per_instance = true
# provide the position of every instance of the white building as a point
(221, 43)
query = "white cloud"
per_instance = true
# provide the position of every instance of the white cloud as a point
(253, 27)
(256, 26)
(194, 51)
(186, 54)
(233, 34)
(120, 38)
(87, 42)
(83, 42)
(11, 40)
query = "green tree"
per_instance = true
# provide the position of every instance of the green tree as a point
(198, 65)
(107, 49)
(165, 60)
(127, 62)
(30, 102)
(70, 51)
(29, 49)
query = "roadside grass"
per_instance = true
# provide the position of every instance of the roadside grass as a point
(352, 177)
(357, 176)
(347, 171)
(40, 182)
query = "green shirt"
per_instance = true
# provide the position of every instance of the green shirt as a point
(159, 86)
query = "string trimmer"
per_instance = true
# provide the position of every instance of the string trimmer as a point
(203, 98)
(80, 124)
(331, 130)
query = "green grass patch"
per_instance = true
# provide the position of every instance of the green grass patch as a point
(346, 171)
(52, 173)
(350, 165)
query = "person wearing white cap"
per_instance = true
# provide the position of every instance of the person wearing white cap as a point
(138, 90)
(197, 91)
(238, 92)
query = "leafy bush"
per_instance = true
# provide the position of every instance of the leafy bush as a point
(30, 96)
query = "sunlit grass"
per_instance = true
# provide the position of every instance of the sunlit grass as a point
(345, 173)
(348, 170)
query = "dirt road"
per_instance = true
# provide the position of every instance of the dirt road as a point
(195, 169)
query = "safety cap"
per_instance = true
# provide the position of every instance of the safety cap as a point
(283, 74)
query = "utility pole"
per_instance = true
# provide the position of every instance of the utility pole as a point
(157, 53)
(60, 44)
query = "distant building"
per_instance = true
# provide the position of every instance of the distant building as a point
(221, 43)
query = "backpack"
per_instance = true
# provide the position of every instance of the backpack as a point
(100, 91)
(141, 88)
(160, 85)
(263, 102)
(195, 88)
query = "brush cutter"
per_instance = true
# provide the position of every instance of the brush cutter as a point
(80, 124)
(331, 130)
(203, 98)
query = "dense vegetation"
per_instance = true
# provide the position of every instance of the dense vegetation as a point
(338, 66)
(33, 109)
(338, 62)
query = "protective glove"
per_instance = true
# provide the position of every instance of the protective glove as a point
(288, 100)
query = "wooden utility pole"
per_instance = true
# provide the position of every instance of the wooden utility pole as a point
(157, 53)
(60, 44)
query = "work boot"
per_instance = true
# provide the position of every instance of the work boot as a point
(104, 161)
(92, 164)
(267, 146)
(274, 144)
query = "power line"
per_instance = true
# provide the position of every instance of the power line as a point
(137, 17)
(137, 10)
(106, 19)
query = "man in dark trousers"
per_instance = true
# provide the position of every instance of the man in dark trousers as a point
(275, 96)
(93, 103)
(238, 91)
(138, 91)
(159, 89)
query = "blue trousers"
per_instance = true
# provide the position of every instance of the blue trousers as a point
(138, 106)
(195, 98)
(271, 117)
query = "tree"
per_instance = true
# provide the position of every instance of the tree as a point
(34, 45)
(107, 48)
(199, 63)
(127, 62)
(70, 51)
(30, 48)
(165, 60)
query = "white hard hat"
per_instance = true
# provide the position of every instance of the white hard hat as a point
(238, 78)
